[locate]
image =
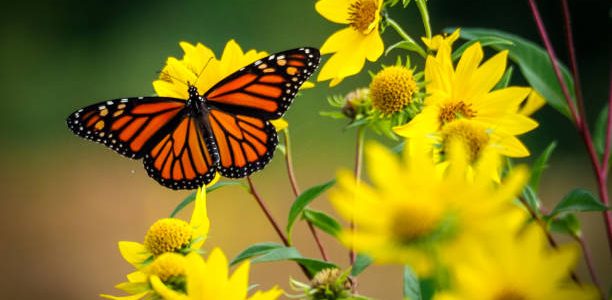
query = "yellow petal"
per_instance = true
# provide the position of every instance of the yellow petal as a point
(501, 101)
(336, 11)
(513, 147)
(134, 253)
(199, 219)
(280, 124)
(239, 281)
(465, 71)
(307, 85)
(534, 102)
(166, 293)
(424, 123)
(488, 75)
(271, 294)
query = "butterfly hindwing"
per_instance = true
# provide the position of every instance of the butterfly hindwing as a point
(245, 144)
(130, 126)
(265, 88)
(182, 159)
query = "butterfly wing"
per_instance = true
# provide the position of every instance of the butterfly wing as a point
(182, 158)
(130, 126)
(176, 153)
(245, 144)
(265, 88)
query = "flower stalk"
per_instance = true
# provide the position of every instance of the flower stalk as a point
(404, 35)
(600, 169)
(296, 190)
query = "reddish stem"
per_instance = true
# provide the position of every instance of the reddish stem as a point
(589, 263)
(581, 123)
(296, 191)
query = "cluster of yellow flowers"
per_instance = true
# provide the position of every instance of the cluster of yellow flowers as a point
(444, 205)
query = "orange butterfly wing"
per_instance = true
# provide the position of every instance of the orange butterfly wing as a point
(159, 129)
(265, 88)
(241, 105)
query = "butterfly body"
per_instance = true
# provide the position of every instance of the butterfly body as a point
(185, 142)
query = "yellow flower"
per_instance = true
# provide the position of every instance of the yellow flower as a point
(209, 280)
(435, 42)
(170, 235)
(169, 268)
(354, 44)
(392, 89)
(523, 267)
(465, 92)
(413, 214)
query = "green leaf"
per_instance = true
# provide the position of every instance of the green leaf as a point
(505, 80)
(302, 201)
(412, 288)
(532, 199)
(290, 253)
(534, 64)
(191, 197)
(484, 41)
(362, 261)
(322, 221)
(255, 250)
(406, 45)
(578, 200)
(565, 224)
(540, 164)
(599, 135)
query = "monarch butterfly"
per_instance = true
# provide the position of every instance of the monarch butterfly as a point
(226, 129)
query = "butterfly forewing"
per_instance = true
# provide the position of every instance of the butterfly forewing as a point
(265, 88)
(129, 126)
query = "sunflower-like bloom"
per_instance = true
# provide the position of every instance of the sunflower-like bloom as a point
(208, 279)
(170, 235)
(465, 93)
(413, 214)
(201, 68)
(517, 267)
(354, 44)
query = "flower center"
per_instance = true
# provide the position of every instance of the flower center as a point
(168, 235)
(329, 284)
(456, 110)
(468, 134)
(170, 268)
(510, 294)
(392, 89)
(362, 13)
(410, 224)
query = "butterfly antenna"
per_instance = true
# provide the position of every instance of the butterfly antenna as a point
(202, 71)
(172, 77)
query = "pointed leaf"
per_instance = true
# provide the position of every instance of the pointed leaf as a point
(540, 164)
(255, 250)
(484, 41)
(302, 201)
(578, 200)
(406, 45)
(599, 135)
(412, 288)
(565, 224)
(291, 253)
(323, 221)
(532, 199)
(534, 64)
(362, 262)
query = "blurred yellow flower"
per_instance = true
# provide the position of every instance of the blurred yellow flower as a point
(209, 280)
(413, 214)
(465, 93)
(170, 235)
(435, 42)
(354, 44)
(517, 267)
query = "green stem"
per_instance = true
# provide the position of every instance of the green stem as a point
(422, 4)
(405, 36)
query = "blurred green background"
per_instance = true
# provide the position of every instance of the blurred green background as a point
(66, 202)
